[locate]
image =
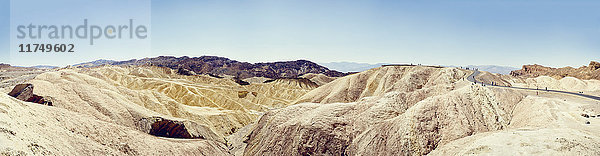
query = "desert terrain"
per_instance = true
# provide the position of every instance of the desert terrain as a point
(152, 107)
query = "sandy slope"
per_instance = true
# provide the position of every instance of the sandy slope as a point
(546, 125)
(416, 82)
(33, 129)
(384, 111)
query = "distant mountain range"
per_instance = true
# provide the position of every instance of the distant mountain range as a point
(491, 68)
(351, 66)
(214, 65)
(38, 67)
(358, 67)
(44, 67)
(94, 63)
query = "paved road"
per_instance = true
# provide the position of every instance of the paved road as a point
(475, 73)
(472, 76)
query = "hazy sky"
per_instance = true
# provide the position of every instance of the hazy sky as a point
(509, 33)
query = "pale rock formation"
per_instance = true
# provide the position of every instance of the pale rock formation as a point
(33, 129)
(128, 95)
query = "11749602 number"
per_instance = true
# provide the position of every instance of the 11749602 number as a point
(28, 48)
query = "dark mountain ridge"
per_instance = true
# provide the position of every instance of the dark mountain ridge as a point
(215, 65)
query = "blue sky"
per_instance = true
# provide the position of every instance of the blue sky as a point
(509, 33)
(97, 13)
(4, 28)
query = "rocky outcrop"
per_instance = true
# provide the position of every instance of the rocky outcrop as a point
(594, 65)
(242, 94)
(170, 129)
(162, 127)
(25, 92)
(182, 71)
(592, 71)
(301, 82)
(241, 82)
(2, 65)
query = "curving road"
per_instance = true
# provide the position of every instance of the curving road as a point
(472, 76)
(475, 73)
